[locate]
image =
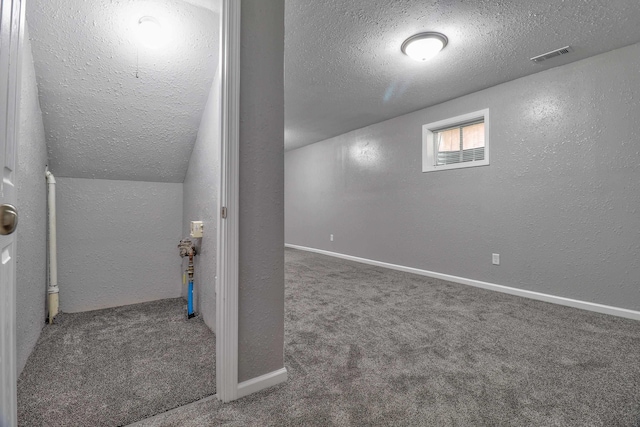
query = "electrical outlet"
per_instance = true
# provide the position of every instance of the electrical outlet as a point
(495, 258)
(331, 237)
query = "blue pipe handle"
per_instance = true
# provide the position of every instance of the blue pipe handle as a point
(190, 300)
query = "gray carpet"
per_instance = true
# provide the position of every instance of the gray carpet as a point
(116, 366)
(367, 346)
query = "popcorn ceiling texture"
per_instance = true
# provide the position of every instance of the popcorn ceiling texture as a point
(100, 120)
(344, 69)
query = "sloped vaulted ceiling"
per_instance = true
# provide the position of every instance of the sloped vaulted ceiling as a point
(112, 108)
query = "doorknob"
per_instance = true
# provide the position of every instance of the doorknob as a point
(8, 219)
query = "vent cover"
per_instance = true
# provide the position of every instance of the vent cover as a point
(552, 54)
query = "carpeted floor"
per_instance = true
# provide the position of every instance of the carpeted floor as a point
(115, 366)
(367, 346)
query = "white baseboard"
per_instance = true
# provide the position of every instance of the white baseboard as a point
(599, 308)
(253, 385)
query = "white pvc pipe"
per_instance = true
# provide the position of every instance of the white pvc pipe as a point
(53, 254)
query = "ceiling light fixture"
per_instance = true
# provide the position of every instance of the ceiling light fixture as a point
(150, 32)
(424, 46)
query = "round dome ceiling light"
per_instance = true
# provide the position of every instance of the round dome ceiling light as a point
(150, 32)
(424, 46)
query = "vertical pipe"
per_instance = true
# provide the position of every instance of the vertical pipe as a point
(52, 290)
(188, 249)
(190, 313)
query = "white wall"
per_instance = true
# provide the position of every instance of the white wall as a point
(117, 242)
(559, 202)
(32, 197)
(201, 204)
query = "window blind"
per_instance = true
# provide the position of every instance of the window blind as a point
(450, 143)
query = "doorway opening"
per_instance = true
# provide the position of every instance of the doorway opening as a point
(131, 130)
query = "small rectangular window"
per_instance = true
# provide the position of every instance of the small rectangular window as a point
(458, 142)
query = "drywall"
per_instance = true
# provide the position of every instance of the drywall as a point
(117, 242)
(200, 203)
(32, 204)
(261, 255)
(559, 201)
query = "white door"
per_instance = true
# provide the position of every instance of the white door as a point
(11, 19)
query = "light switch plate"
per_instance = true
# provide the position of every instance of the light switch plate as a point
(196, 229)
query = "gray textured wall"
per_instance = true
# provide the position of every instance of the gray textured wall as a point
(559, 202)
(261, 276)
(117, 242)
(32, 205)
(201, 204)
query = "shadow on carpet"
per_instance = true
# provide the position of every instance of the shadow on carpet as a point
(116, 366)
(367, 346)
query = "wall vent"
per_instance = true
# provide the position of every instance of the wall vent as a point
(552, 54)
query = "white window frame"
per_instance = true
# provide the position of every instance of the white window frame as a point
(429, 163)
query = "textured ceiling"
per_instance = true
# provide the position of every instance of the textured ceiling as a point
(100, 120)
(344, 68)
